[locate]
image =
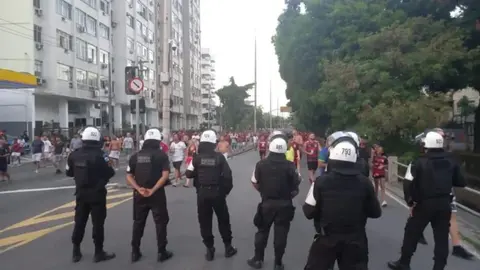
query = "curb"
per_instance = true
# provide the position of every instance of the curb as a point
(125, 186)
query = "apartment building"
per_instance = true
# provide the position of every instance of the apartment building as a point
(208, 87)
(78, 49)
(186, 77)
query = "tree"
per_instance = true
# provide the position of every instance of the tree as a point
(232, 99)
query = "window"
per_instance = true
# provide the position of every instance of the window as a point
(139, 49)
(144, 30)
(104, 31)
(81, 49)
(36, 3)
(130, 44)
(81, 18)
(92, 53)
(81, 77)
(130, 63)
(64, 72)
(103, 57)
(91, 3)
(139, 26)
(103, 82)
(130, 20)
(104, 6)
(139, 6)
(91, 26)
(38, 68)
(150, 55)
(151, 74)
(150, 16)
(64, 9)
(64, 40)
(37, 33)
(92, 79)
(150, 34)
(145, 74)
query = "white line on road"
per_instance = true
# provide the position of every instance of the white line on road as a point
(406, 206)
(44, 189)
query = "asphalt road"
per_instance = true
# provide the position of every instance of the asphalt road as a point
(43, 242)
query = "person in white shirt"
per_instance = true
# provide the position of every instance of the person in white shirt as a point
(140, 145)
(177, 149)
(128, 145)
(47, 149)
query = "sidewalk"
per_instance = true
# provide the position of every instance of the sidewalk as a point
(469, 225)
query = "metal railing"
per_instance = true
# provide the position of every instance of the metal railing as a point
(393, 174)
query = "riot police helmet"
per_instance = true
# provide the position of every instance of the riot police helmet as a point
(343, 151)
(278, 145)
(153, 134)
(355, 137)
(277, 134)
(209, 136)
(341, 136)
(91, 134)
(433, 140)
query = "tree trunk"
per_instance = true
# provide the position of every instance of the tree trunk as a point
(476, 131)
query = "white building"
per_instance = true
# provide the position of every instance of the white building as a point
(76, 48)
(208, 86)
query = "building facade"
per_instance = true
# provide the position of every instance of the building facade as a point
(208, 87)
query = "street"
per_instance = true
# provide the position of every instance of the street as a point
(35, 229)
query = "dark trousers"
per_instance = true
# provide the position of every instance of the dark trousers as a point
(157, 203)
(276, 213)
(349, 250)
(209, 201)
(437, 212)
(98, 211)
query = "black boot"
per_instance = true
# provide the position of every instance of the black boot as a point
(230, 250)
(76, 254)
(164, 255)
(136, 255)
(278, 264)
(461, 252)
(210, 255)
(102, 255)
(255, 263)
(398, 265)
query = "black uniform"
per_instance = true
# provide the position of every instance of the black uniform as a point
(277, 180)
(345, 200)
(434, 176)
(91, 173)
(213, 181)
(147, 167)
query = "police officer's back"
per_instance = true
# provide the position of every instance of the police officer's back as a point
(213, 181)
(91, 173)
(345, 200)
(277, 180)
(434, 175)
(148, 172)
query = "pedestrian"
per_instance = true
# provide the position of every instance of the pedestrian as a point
(277, 180)
(148, 172)
(434, 175)
(91, 173)
(346, 199)
(213, 181)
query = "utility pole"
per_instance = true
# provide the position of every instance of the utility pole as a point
(271, 111)
(278, 109)
(110, 98)
(166, 71)
(209, 107)
(255, 91)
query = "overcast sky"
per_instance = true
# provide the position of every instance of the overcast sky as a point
(228, 30)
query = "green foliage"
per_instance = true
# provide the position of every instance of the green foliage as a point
(466, 106)
(362, 65)
(233, 108)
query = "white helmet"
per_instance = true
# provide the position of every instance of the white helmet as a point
(341, 136)
(209, 136)
(153, 134)
(433, 140)
(278, 145)
(355, 137)
(343, 151)
(91, 134)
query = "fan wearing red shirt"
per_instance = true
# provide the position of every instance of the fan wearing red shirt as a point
(164, 147)
(262, 147)
(311, 150)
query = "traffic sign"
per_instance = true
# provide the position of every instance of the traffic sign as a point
(136, 85)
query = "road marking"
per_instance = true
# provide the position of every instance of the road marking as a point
(402, 203)
(21, 239)
(45, 189)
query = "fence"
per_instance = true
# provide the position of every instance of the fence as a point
(465, 196)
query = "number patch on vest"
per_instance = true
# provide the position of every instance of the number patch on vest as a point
(144, 159)
(208, 162)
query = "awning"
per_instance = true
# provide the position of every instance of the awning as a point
(15, 80)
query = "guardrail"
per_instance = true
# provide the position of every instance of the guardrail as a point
(393, 173)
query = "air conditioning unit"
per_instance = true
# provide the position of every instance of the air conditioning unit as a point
(65, 50)
(81, 29)
(39, 12)
(104, 66)
(70, 84)
(41, 81)
(96, 93)
(104, 14)
(151, 62)
(38, 46)
(90, 60)
(114, 24)
(145, 39)
(64, 19)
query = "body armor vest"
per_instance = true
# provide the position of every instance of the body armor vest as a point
(144, 169)
(208, 171)
(81, 169)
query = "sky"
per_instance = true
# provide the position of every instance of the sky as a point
(228, 29)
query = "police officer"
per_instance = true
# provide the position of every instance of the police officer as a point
(213, 181)
(434, 175)
(353, 138)
(91, 173)
(148, 172)
(347, 200)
